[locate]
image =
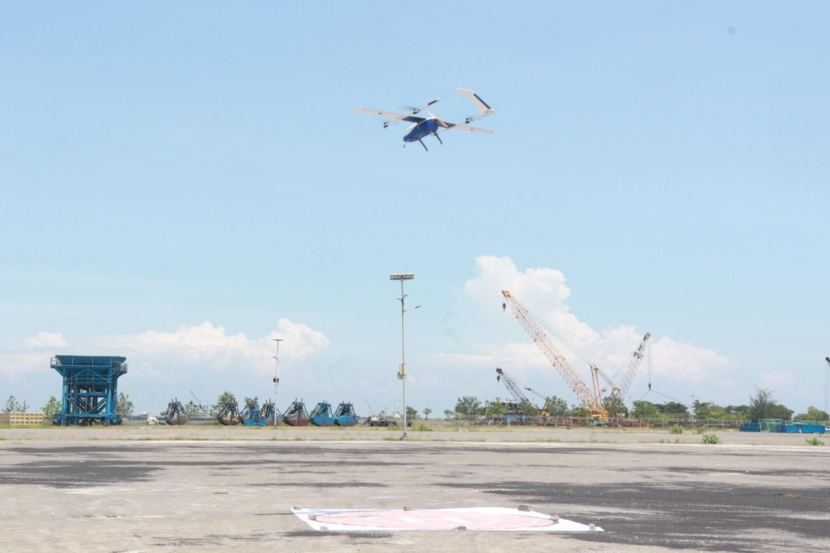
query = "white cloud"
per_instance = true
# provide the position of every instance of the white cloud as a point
(545, 292)
(46, 339)
(778, 381)
(16, 365)
(211, 347)
(685, 362)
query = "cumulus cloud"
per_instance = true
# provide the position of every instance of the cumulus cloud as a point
(15, 365)
(212, 347)
(546, 293)
(685, 362)
(544, 289)
(46, 339)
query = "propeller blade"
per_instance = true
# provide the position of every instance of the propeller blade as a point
(439, 121)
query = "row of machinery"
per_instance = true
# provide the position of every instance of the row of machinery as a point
(295, 415)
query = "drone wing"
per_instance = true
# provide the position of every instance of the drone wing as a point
(453, 126)
(483, 108)
(393, 117)
(484, 111)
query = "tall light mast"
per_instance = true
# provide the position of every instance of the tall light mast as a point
(276, 376)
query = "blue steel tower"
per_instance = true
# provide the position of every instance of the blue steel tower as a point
(90, 389)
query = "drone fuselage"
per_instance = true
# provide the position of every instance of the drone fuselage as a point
(423, 129)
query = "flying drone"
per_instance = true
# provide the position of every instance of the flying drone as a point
(425, 126)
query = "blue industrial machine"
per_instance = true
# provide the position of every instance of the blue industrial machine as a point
(321, 416)
(90, 389)
(268, 414)
(252, 415)
(345, 415)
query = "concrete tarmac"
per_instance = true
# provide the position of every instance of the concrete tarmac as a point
(214, 489)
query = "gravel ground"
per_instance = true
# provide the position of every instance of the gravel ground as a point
(213, 489)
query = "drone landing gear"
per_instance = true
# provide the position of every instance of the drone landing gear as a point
(424, 145)
(439, 138)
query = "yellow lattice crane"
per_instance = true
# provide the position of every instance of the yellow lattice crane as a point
(591, 398)
(533, 326)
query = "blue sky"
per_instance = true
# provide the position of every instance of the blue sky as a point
(181, 183)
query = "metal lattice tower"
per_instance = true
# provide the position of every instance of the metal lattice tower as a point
(90, 388)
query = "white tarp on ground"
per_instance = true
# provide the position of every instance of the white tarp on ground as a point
(477, 519)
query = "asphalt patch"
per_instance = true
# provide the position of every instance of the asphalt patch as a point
(76, 475)
(683, 516)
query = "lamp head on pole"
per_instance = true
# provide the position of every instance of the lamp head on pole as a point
(401, 276)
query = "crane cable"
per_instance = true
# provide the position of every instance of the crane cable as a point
(558, 336)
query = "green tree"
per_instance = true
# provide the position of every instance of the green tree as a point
(124, 407)
(224, 398)
(813, 414)
(251, 402)
(450, 414)
(468, 406)
(556, 406)
(411, 414)
(579, 410)
(13, 406)
(495, 409)
(427, 412)
(763, 406)
(52, 408)
(615, 406)
(528, 409)
(192, 408)
(706, 410)
(709, 410)
(645, 410)
(738, 411)
(674, 409)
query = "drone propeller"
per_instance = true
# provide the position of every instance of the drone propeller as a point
(439, 121)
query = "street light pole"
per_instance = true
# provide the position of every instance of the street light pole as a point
(402, 371)
(276, 376)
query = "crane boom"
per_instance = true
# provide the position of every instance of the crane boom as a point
(512, 387)
(534, 392)
(201, 405)
(628, 377)
(534, 329)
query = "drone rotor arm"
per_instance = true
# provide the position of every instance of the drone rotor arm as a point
(393, 117)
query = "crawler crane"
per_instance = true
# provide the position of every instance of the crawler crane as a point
(522, 402)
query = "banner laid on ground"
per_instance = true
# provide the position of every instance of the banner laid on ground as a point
(476, 519)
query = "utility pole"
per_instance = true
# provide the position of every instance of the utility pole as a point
(402, 371)
(276, 376)
(826, 384)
